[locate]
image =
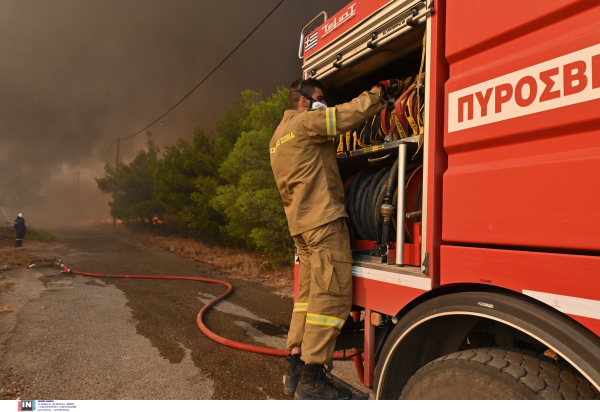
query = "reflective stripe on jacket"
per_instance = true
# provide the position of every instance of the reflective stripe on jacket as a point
(304, 164)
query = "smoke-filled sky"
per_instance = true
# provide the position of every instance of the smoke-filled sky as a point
(76, 74)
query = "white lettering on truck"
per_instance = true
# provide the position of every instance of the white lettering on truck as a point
(339, 21)
(566, 80)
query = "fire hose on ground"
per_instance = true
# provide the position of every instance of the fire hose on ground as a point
(356, 356)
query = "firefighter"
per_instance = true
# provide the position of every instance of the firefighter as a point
(20, 228)
(303, 159)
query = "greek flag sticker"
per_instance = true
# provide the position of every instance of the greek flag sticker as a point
(311, 41)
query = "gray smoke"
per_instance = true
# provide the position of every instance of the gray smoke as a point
(76, 74)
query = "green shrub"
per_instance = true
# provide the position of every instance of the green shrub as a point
(215, 189)
(250, 200)
(185, 181)
(132, 189)
(39, 234)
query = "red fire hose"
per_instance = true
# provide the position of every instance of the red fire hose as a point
(228, 342)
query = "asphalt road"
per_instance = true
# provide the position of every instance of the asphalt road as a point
(74, 337)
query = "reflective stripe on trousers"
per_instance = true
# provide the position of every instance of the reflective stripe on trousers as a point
(324, 320)
(301, 307)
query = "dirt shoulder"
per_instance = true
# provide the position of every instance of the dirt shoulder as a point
(237, 263)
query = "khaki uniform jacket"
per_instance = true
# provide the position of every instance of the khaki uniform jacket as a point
(303, 159)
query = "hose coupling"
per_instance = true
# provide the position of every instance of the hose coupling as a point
(388, 212)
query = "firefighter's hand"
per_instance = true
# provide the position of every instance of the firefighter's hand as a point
(390, 89)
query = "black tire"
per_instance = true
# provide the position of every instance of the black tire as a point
(495, 373)
(440, 325)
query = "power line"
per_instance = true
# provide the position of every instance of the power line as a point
(105, 154)
(191, 91)
(209, 74)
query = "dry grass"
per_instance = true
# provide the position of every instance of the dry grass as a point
(4, 284)
(5, 309)
(21, 258)
(10, 390)
(14, 258)
(238, 263)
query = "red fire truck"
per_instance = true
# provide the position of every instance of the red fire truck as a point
(474, 210)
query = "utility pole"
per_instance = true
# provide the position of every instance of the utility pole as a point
(116, 170)
(78, 193)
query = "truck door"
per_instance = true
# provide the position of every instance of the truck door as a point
(521, 125)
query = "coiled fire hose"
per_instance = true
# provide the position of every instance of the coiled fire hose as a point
(365, 194)
(356, 356)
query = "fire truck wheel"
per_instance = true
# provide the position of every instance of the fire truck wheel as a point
(496, 373)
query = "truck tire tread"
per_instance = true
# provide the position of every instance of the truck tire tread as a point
(544, 376)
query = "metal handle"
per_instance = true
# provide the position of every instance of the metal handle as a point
(401, 205)
(413, 214)
(410, 21)
(301, 49)
(373, 160)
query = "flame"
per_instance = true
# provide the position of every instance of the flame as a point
(107, 221)
(155, 220)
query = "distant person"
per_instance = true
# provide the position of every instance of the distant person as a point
(21, 229)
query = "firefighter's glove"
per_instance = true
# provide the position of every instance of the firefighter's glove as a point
(391, 91)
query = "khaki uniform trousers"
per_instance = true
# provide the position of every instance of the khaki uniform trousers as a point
(325, 298)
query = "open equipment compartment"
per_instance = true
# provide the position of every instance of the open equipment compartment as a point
(390, 44)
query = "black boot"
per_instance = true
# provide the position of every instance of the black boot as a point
(17, 243)
(293, 375)
(315, 383)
